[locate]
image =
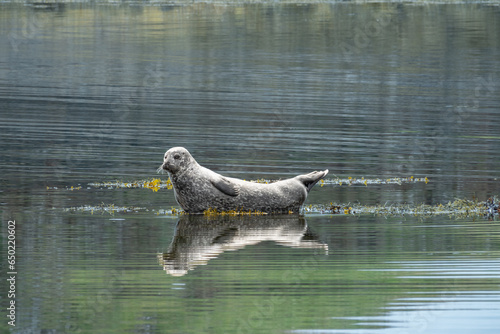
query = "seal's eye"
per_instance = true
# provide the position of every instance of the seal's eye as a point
(177, 156)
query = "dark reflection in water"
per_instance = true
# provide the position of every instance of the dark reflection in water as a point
(198, 239)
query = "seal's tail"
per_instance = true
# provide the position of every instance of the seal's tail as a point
(309, 180)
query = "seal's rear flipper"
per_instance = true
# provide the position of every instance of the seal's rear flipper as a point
(225, 186)
(309, 180)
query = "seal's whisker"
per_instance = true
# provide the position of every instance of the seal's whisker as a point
(159, 170)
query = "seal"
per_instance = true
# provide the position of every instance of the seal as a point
(198, 189)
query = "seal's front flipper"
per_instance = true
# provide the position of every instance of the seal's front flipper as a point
(309, 180)
(225, 186)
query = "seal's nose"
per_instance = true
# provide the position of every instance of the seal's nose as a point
(166, 165)
(165, 161)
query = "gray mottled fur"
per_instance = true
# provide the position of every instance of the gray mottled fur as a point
(198, 188)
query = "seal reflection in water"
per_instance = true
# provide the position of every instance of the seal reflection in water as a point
(198, 239)
(198, 189)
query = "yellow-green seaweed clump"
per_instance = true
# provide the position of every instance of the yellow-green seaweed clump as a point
(215, 212)
(153, 184)
(456, 208)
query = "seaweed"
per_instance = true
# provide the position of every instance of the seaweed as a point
(456, 208)
(215, 212)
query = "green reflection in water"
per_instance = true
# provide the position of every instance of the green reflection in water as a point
(94, 274)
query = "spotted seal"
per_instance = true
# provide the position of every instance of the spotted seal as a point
(198, 189)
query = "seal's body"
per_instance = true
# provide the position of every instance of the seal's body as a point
(198, 188)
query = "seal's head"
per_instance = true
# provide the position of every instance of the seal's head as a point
(176, 160)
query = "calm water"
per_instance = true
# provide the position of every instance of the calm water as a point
(95, 93)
